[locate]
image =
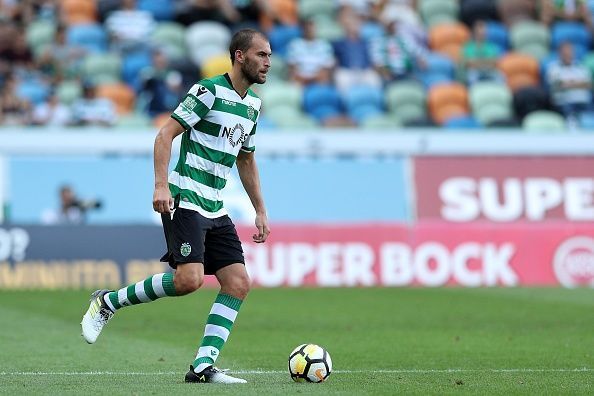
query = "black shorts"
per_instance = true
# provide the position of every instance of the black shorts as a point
(193, 238)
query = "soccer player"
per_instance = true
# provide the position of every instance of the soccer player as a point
(218, 119)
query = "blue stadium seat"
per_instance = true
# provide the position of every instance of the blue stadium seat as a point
(132, 65)
(92, 37)
(574, 32)
(464, 122)
(371, 30)
(497, 34)
(587, 121)
(364, 101)
(33, 91)
(439, 64)
(321, 101)
(162, 10)
(280, 36)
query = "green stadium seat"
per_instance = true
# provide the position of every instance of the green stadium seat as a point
(435, 12)
(172, 37)
(384, 123)
(289, 117)
(490, 101)
(544, 121)
(281, 94)
(278, 70)
(327, 28)
(492, 112)
(312, 8)
(531, 38)
(39, 35)
(409, 112)
(68, 91)
(406, 100)
(135, 122)
(102, 68)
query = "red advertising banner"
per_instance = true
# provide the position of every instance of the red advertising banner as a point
(426, 254)
(504, 189)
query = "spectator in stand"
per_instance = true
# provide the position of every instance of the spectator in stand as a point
(65, 59)
(396, 54)
(92, 110)
(161, 86)
(479, 57)
(512, 11)
(51, 113)
(249, 13)
(129, 27)
(566, 10)
(571, 84)
(190, 11)
(310, 59)
(352, 55)
(13, 110)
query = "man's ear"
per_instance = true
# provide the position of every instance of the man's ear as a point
(239, 56)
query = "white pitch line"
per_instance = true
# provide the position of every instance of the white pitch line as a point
(395, 371)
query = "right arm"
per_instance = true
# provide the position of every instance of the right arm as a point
(162, 200)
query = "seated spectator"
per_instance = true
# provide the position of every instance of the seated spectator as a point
(396, 54)
(512, 11)
(249, 13)
(310, 59)
(404, 11)
(352, 55)
(570, 83)
(479, 57)
(91, 110)
(51, 113)
(128, 26)
(65, 59)
(190, 11)
(565, 10)
(13, 110)
(161, 86)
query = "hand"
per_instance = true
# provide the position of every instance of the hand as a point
(162, 201)
(262, 226)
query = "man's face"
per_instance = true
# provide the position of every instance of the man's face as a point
(566, 53)
(256, 61)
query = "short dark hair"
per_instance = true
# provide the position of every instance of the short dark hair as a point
(242, 40)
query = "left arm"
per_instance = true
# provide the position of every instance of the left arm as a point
(250, 179)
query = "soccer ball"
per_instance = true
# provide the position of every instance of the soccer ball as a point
(309, 362)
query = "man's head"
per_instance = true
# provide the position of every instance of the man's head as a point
(566, 53)
(66, 195)
(479, 31)
(308, 27)
(250, 52)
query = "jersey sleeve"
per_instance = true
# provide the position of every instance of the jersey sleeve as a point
(196, 104)
(249, 144)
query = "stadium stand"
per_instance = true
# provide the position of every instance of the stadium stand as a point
(57, 48)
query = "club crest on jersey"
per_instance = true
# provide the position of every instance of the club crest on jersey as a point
(185, 249)
(235, 135)
(251, 112)
(189, 104)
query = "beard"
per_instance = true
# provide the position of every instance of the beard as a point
(251, 74)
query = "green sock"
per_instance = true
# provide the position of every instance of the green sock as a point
(150, 289)
(218, 326)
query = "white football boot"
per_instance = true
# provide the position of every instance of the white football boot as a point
(96, 316)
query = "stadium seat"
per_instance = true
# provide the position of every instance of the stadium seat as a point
(439, 64)
(121, 95)
(477, 10)
(78, 11)
(587, 121)
(435, 12)
(278, 69)
(321, 101)
(447, 101)
(216, 65)
(162, 10)
(91, 37)
(327, 28)
(589, 62)
(281, 12)
(573, 32)
(531, 38)
(371, 30)
(383, 123)
(172, 37)
(363, 101)
(280, 36)
(462, 122)
(443, 37)
(206, 39)
(68, 91)
(405, 93)
(102, 68)
(134, 122)
(312, 8)
(543, 121)
(498, 35)
(281, 94)
(520, 70)
(34, 91)
(529, 99)
(39, 35)
(490, 101)
(132, 64)
(289, 117)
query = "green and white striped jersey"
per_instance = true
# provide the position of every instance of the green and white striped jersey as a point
(218, 123)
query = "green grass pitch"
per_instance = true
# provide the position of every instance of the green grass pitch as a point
(382, 341)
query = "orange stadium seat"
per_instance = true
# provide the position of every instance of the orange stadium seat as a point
(121, 95)
(520, 70)
(447, 34)
(284, 11)
(448, 100)
(78, 11)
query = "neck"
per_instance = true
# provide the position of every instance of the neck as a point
(239, 82)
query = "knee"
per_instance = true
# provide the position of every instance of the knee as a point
(186, 283)
(238, 286)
